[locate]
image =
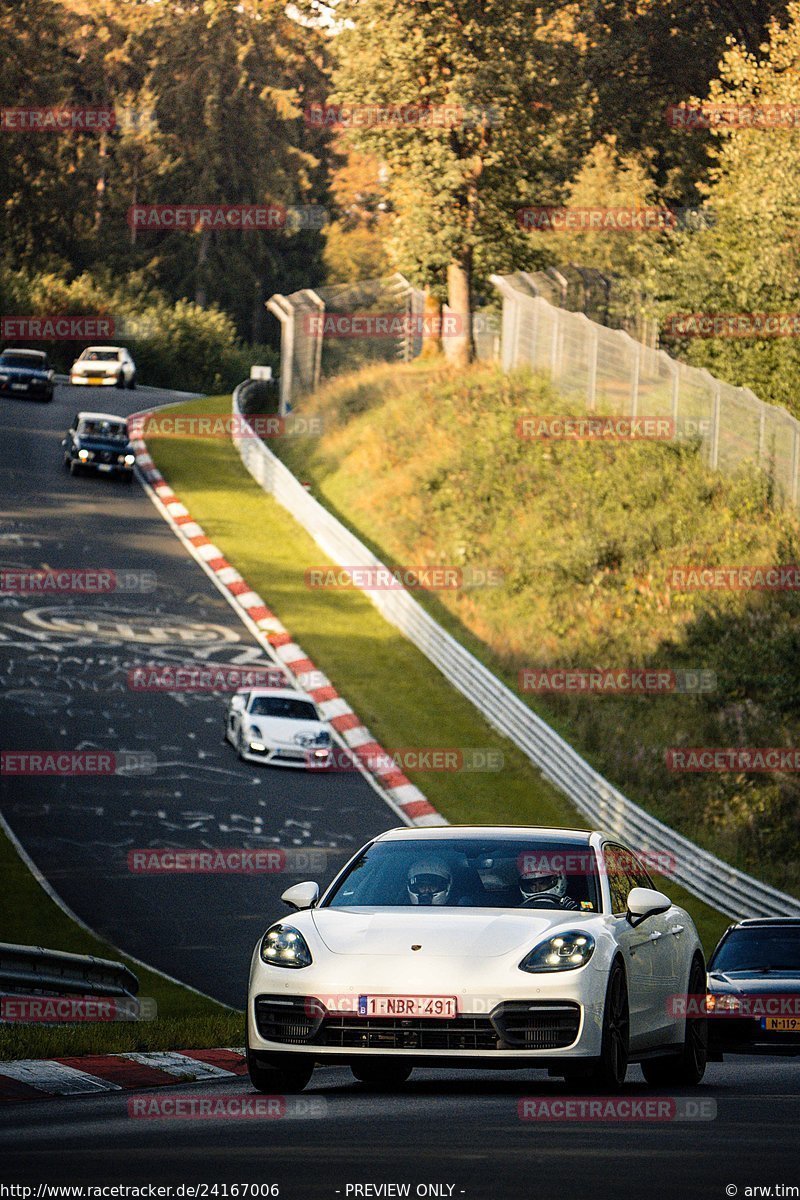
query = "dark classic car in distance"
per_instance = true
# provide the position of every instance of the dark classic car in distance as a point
(27, 374)
(753, 989)
(99, 442)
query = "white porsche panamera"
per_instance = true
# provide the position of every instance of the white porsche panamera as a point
(278, 726)
(479, 946)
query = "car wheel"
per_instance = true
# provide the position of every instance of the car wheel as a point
(240, 747)
(687, 1068)
(74, 468)
(120, 380)
(609, 1070)
(67, 461)
(274, 1080)
(132, 384)
(380, 1073)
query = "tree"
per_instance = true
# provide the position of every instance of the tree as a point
(492, 71)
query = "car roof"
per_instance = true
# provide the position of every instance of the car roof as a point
(96, 416)
(116, 348)
(33, 353)
(766, 923)
(277, 691)
(443, 833)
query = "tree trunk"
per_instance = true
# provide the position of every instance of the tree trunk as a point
(457, 332)
(432, 315)
(200, 294)
(100, 185)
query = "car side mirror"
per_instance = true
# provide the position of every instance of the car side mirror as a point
(301, 895)
(237, 703)
(646, 902)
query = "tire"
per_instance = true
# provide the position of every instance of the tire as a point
(128, 477)
(67, 461)
(274, 1080)
(132, 384)
(688, 1067)
(120, 380)
(74, 468)
(376, 1072)
(608, 1072)
(240, 748)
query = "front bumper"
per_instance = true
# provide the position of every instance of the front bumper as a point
(35, 388)
(103, 468)
(534, 1019)
(93, 380)
(746, 1035)
(287, 756)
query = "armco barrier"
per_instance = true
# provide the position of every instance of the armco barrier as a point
(719, 884)
(26, 968)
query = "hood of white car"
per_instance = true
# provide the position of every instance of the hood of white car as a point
(283, 731)
(446, 933)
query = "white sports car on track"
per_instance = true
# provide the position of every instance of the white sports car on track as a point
(278, 726)
(480, 947)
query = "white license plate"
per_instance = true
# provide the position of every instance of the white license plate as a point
(19, 387)
(103, 467)
(407, 1006)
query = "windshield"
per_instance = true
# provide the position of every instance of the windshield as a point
(283, 706)
(758, 950)
(32, 361)
(526, 873)
(100, 355)
(115, 430)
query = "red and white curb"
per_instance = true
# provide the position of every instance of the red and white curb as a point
(40, 1079)
(401, 795)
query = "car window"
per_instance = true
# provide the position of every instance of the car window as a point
(283, 706)
(96, 427)
(624, 872)
(532, 875)
(100, 355)
(769, 948)
(32, 361)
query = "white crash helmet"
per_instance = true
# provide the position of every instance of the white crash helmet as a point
(429, 881)
(542, 883)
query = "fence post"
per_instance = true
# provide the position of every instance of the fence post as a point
(594, 343)
(554, 347)
(713, 459)
(637, 359)
(676, 397)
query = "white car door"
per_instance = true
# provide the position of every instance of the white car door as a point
(645, 948)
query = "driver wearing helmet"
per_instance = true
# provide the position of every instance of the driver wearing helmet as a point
(544, 887)
(429, 881)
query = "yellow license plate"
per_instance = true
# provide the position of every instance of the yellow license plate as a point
(782, 1024)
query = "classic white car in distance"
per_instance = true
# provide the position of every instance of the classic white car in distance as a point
(279, 727)
(104, 366)
(484, 947)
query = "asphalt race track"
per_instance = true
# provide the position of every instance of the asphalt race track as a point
(64, 666)
(64, 684)
(460, 1130)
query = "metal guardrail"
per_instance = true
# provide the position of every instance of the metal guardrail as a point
(731, 891)
(26, 968)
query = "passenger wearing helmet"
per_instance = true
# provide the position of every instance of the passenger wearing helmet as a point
(429, 881)
(542, 888)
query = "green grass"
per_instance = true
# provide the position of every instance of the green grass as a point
(403, 699)
(185, 1020)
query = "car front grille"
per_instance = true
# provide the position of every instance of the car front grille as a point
(401, 1033)
(520, 1025)
(290, 1019)
(537, 1024)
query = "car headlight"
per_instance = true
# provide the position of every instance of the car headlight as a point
(562, 952)
(255, 740)
(724, 1003)
(128, 459)
(285, 946)
(85, 455)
